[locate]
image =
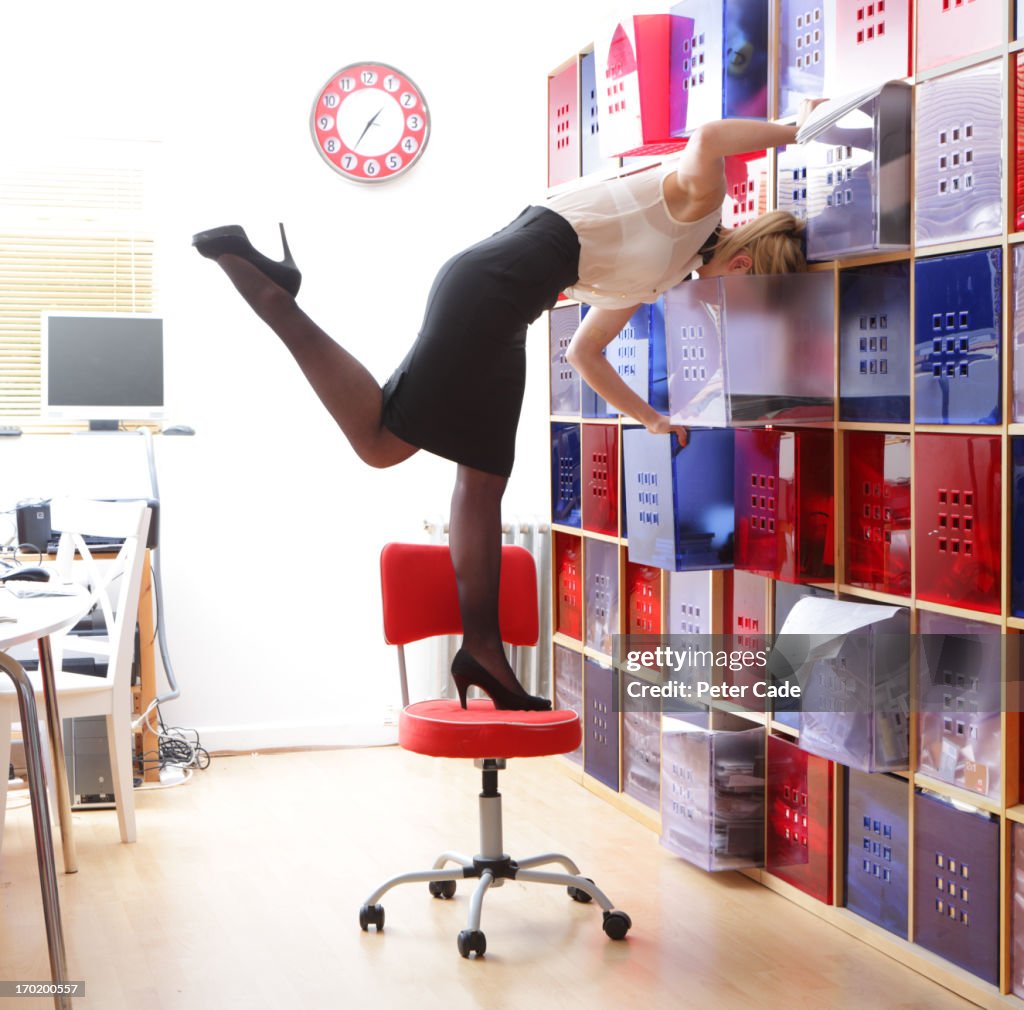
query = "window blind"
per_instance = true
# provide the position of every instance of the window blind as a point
(75, 236)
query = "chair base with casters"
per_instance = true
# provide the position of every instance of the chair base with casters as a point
(442, 729)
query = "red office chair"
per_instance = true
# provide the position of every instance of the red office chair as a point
(420, 601)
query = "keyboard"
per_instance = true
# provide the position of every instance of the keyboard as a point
(92, 542)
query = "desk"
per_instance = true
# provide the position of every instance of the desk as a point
(36, 619)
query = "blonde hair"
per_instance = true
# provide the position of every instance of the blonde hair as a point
(773, 241)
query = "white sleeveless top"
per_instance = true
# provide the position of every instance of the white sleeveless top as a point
(631, 248)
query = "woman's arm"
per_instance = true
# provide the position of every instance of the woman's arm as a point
(701, 168)
(585, 354)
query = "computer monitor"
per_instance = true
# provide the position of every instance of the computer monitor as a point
(102, 367)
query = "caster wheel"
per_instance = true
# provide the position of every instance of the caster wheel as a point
(616, 924)
(371, 915)
(442, 888)
(578, 895)
(472, 941)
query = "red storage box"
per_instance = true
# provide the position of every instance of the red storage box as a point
(637, 73)
(799, 819)
(878, 530)
(957, 497)
(600, 478)
(563, 126)
(568, 585)
(643, 592)
(784, 510)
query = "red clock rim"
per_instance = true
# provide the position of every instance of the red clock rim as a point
(378, 65)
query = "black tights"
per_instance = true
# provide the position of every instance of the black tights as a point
(353, 398)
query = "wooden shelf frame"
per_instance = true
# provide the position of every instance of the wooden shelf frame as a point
(1008, 808)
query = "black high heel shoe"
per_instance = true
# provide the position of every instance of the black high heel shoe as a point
(232, 239)
(467, 672)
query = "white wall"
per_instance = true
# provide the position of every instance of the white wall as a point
(271, 527)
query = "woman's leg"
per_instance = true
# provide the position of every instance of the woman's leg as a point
(474, 536)
(350, 393)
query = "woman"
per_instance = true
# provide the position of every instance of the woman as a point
(457, 394)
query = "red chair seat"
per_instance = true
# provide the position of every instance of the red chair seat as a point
(442, 728)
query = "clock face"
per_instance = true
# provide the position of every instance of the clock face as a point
(370, 122)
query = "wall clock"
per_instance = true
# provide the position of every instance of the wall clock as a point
(370, 122)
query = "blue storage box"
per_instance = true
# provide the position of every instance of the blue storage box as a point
(566, 501)
(590, 154)
(679, 501)
(958, 338)
(859, 178)
(956, 884)
(637, 354)
(601, 723)
(874, 343)
(723, 45)
(878, 849)
(805, 30)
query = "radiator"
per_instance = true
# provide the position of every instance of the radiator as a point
(532, 666)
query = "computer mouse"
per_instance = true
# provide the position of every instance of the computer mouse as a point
(178, 429)
(28, 573)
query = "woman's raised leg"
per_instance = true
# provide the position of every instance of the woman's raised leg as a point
(350, 393)
(474, 537)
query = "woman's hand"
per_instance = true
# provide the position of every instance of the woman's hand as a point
(663, 426)
(807, 106)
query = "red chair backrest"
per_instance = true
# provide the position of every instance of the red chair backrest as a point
(420, 598)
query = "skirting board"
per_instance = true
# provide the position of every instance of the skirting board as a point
(287, 736)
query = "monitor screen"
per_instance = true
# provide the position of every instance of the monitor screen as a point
(102, 366)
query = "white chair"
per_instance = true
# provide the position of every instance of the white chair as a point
(114, 584)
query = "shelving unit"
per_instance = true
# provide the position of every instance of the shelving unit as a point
(930, 932)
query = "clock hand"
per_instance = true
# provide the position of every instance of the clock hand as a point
(368, 125)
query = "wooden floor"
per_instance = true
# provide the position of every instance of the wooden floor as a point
(244, 887)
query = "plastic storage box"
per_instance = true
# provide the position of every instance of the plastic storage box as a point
(784, 506)
(601, 594)
(958, 692)
(859, 178)
(852, 662)
(874, 343)
(563, 322)
(957, 496)
(679, 501)
(712, 795)
(638, 66)
(877, 849)
(956, 885)
(723, 46)
(601, 723)
(568, 677)
(958, 154)
(878, 532)
(798, 818)
(641, 749)
(958, 339)
(731, 343)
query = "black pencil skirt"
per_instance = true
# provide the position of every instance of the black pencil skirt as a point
(459, 390)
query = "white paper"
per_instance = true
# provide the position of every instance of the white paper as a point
(822, 617)
(830, 112)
